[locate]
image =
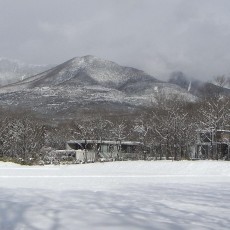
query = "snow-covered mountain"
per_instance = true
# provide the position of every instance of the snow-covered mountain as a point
(83, 83)
(13, 70)
(87, 70)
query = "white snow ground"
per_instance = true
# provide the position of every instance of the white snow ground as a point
(116, 195)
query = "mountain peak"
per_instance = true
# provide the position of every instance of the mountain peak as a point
(90, 59)
(87, 70)
(86, 57)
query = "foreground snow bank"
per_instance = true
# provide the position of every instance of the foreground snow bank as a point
(116, 195)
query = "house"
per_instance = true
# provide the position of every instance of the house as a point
(213, 144)
(91, 150)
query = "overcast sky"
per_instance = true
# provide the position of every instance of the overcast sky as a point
(157, 36)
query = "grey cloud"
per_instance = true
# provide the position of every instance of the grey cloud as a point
(158, 36)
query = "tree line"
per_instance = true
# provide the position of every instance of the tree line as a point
(167, 129)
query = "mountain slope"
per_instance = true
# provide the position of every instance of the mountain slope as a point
(13, 71)
(197, 87)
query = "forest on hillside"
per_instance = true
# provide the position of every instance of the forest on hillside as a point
(166, 129)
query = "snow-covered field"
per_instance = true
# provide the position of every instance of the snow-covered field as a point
(116, 195)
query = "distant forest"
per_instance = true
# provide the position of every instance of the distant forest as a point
(168, 128)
